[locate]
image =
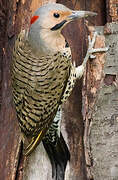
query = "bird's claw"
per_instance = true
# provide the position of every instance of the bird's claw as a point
(92, 41)
(89, 54)
(92, 56)
(74, 63)
(91, 48)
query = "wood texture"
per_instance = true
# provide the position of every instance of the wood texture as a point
(91, 85)
(112, 10)
(98, 6)
(104, 112)
(9, 139)
(14, 15)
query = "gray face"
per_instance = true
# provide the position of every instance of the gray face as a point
(50, 15)
(47, 23)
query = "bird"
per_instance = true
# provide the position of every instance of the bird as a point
(43, 77)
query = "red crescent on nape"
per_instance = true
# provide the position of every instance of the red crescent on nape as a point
(33, 19)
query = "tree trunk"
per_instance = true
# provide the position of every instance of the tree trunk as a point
(103, 115)
(90, 118)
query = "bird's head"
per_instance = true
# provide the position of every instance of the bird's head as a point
(46, 25)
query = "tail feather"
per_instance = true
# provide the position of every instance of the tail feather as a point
(59, 156)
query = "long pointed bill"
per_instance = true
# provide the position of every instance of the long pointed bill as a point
(73, 15)
(80, 14)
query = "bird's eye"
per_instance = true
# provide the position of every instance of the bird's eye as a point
(56, 15)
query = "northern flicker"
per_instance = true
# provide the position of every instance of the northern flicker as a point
(43, 77)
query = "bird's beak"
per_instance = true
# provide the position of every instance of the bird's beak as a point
(80, 14)
(72, 16)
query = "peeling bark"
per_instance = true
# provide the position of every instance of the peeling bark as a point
(90, 112)
(112, 10)
(10, 136)
(100, 112)
(104, 130)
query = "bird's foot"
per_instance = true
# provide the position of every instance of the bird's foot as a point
(91, 48)
(90, 54)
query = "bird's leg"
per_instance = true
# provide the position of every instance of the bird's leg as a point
(80, 69)
(55, 126)
(57, 120)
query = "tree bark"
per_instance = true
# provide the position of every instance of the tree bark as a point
(104, 115)
(90, 117)
(100, 92)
